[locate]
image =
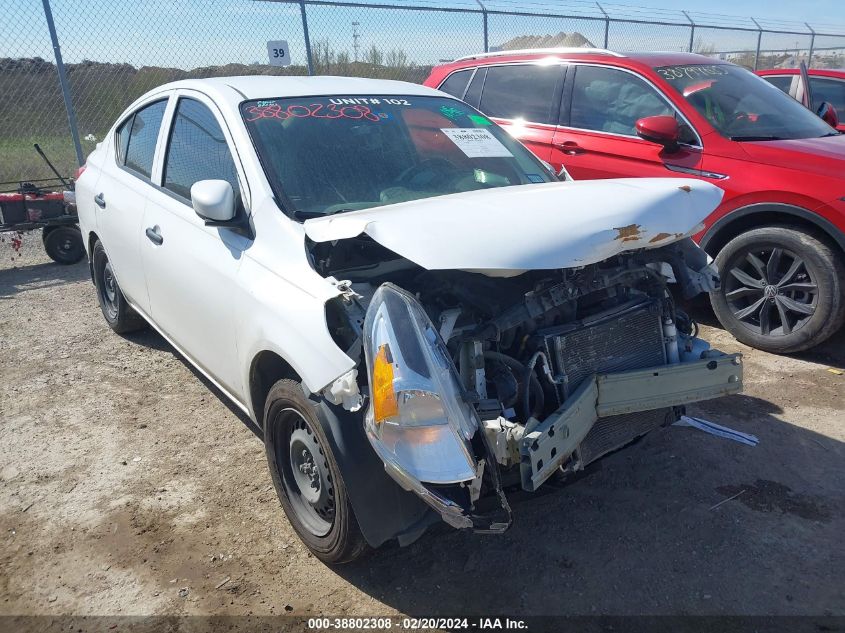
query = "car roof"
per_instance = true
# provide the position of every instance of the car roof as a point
(819, 72)
(651, 59)
(241, 88)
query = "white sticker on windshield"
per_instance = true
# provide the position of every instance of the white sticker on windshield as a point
(476, 143)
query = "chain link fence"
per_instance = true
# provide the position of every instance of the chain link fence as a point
(113, 52)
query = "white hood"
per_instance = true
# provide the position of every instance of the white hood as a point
(506, 231)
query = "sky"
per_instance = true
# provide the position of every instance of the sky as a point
(818, 11)
(191, 33)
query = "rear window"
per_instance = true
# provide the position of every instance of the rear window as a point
(521, 92)
(456, 83)
(143, 134)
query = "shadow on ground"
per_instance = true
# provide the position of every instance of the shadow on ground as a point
(651, 528)
(39, 276)
(149, 337)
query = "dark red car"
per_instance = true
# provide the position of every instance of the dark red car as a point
(779, 234)
(826, 86)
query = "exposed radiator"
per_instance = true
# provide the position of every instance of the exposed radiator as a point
(630, 337)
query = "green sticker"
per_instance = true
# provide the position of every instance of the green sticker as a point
(480, 120)
(450, 112)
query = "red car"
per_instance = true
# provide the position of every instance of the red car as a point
(826, 85)
(779, 234)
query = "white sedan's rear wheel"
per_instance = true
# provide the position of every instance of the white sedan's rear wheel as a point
(118, 313)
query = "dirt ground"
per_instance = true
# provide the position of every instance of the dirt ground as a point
(127, 486)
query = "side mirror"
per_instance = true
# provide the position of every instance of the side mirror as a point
(213, 200)
(828, 114)
(663, 130)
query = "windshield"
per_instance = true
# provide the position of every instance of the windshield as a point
(741, 105)
(327, 155)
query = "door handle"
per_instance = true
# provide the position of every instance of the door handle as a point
(569, 147)
(154, 235)
(100, 200)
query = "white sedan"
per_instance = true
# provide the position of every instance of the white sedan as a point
(413, 311)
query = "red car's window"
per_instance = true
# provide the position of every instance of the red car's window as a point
(610, 100)
(830, 90)
(742, 106)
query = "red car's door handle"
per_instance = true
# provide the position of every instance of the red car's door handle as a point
(569, 147)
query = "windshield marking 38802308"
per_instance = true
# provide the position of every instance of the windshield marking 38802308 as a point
(331, 154)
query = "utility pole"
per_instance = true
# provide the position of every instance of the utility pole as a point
(355, 36)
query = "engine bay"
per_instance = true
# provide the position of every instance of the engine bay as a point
(521, 348)
(508, 336)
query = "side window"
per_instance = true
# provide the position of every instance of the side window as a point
(456, 83)
(197, 150)
(830, 90)
(143, 135)
(473, 93)
(781, 82)
(521, 92)
(121, 139)
(610, 100)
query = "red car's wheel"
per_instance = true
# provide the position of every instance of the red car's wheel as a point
(783, 289)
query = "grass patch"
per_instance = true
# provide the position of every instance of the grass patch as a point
(20, 161)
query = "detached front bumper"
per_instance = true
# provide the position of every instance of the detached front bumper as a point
(547, 444)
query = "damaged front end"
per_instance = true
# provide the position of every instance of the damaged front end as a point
(522, 378)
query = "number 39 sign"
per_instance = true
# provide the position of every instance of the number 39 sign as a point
(278, 53)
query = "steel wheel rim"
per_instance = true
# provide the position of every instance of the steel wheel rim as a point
(305, 473)
(771, 291)
(108, 294)
(66, 246)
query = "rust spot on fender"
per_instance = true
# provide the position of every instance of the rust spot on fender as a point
(686, 188)
(662, 236)
(630, 233)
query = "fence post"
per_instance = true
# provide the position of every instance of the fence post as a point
(484, 18)
(307, 39)
(60, 69)
(691, 31)
(759, 41)
(812, 45)
(606, 24)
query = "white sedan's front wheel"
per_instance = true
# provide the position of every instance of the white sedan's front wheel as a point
(307, 478)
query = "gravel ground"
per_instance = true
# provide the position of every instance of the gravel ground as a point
(127, 486)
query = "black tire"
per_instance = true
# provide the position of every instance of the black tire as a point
(118, 313)
(778, 275)
(312, 492)
(64, 244)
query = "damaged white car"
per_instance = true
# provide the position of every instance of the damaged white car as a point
(414, 313)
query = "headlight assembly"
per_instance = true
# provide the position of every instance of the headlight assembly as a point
(417, 421)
